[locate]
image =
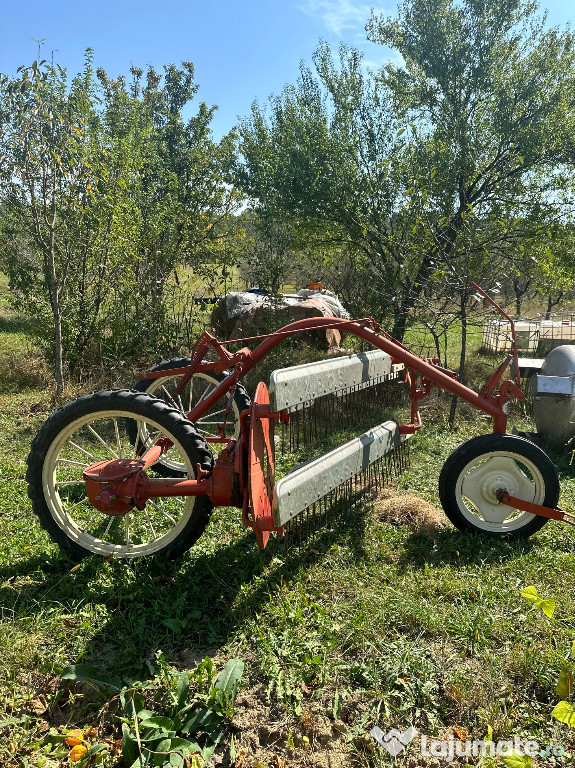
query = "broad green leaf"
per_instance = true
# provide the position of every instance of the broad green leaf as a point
(131, 697)
(174, 624)
(230, 676)
(565, 712)
(530, 593)
(162, 723)
(92, 674)
(161, 751)
(200, 719)
(547, 605)
(94, 749)
(130, 751)
(565, 683)
(182, 690)
(145, 714)
(517, 761)
(208, 751)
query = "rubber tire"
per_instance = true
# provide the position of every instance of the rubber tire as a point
(140, 404)
(481, 446)
(241, 399)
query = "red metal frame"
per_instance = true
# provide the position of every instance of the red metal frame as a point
(431, 374)
(243, 472)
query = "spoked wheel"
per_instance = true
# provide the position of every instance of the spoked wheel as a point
(197, 389)
(93, 428)
(478, 469)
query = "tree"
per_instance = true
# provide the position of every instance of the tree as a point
(478, 121)
(268, 258)
(46, 173)
(105, 192)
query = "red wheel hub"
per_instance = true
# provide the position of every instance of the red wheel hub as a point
(111, 485)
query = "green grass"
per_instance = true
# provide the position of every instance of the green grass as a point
(371, 622)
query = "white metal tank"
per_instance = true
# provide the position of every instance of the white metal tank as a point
(554, 401)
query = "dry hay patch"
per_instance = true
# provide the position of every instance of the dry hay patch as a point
(404, 508)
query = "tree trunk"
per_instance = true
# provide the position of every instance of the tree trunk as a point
(551, 303)
(517, 291)
(57, 315)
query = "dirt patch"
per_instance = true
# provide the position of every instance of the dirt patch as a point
(420, 516)
(266, 735)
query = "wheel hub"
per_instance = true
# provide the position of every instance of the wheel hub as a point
(484, 485)
(492, 486)
(111, 485)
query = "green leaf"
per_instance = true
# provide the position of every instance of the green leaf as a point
(130, 751)
(145, 714)
(13, 721)
(161, 749)
(129, 697)
(208, 751)
(201, 718)
(565, 712)
(565, 683)
(547, 605)
(230, 676)
(94, 749)
(162, 723)
(517, 761)
(182, 690)
(93, 675)
(174, 624)
(530, 593)
(173, 751)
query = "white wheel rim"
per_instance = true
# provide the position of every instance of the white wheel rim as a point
(198, 388)
(95, 437)
(482, 477)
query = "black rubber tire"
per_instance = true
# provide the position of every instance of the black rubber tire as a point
(475, 449)
(125, 402)
(242, 400)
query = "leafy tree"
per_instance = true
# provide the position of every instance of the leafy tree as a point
(268, 258)
(46, 173)
(478, 121)
(105, 192)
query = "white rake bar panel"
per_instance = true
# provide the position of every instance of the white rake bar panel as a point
(310, 482)
(292, 387)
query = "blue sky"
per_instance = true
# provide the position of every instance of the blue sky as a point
(241, 50)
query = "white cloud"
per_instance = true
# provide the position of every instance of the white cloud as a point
(388, 56)
(339, 15)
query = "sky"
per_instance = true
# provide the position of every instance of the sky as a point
(242, 50)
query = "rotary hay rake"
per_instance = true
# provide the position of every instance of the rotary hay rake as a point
(128, 473)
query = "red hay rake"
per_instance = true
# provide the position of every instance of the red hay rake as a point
(127, 473)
